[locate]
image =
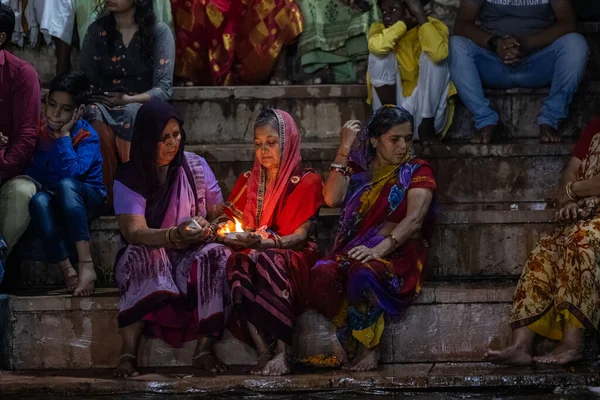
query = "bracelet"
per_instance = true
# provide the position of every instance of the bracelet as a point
(391, 236)
(338, 168)
(569, 190)
(168, 235)
(277, 241)
(340, 154)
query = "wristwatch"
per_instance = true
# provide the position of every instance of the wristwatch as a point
(492, 44)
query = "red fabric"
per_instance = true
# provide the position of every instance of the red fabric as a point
(289, 165)
(20, 102)
(583, 144)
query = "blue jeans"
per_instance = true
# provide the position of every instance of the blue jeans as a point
(62, 214)
(561, 66)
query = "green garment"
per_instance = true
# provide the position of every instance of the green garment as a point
(335, 36)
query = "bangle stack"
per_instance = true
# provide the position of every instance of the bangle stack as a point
(168, 235)
(393, 239)
(339, 168)
(570, 193)
(277, 241)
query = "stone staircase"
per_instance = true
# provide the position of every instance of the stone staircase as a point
(493, 205)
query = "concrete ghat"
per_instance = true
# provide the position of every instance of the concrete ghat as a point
(439, 376)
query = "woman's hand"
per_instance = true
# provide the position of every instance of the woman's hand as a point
(569, 212)
(561, 198)
(188, 234)
(244, 240)
(3, 141)
(365, 254)
(65, 131)
(112, 99)
(348, 134)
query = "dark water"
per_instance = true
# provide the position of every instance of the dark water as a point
(338, 395)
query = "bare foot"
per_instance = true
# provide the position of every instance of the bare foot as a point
(206, 360)
(366, 361)
(279, 365)
(484, 135)
(564, 353)
(127, 367)
(71, 279)
(87, 277)
(549, 135)
(512, 355)
(263, 360)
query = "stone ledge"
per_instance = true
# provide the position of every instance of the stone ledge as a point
(441, 376)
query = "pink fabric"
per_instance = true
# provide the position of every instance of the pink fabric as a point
(289, 164)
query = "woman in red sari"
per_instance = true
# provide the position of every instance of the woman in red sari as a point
(376, 266)
(233, 42)
(277, 202)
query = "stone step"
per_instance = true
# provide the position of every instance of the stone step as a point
(407, 381)
(450, 322)
(466, 244)
(519, 171)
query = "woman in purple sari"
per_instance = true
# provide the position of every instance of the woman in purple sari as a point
(172, 281)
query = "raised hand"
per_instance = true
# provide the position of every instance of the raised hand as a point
(349, 133)
(65, 131)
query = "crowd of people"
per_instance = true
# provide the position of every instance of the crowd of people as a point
(193, 264)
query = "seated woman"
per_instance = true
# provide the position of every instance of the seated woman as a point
(67, 168)
(233, 42)
(278, 200)
(558, 295)
(129, 58)
(333, 47)
(375, 269)
(172, 282)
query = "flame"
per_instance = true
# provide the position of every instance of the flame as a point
(227, 228)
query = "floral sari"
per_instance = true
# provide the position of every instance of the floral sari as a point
(560, 282)
(269, 288)
(226, 42)
(355, 296)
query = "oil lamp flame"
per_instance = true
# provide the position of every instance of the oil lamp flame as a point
(227, 228)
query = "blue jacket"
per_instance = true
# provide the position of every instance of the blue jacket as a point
(77, 157)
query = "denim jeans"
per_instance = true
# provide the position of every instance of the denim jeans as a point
(60, 216)
(561, 66)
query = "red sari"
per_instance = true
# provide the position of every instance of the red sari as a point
(269, 287)
(227, 42)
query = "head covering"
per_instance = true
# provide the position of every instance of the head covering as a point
(384, 119)
(140, 173)
(260, 207)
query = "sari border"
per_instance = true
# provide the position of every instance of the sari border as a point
(565, 305)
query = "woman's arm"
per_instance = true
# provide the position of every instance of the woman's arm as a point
(565, 23)
(134, 229)
(336, 185)
(296, 240)
(570, 175)
(587, 187)
(466, 23)
(89, 64)
(419, 201)
(164, 65)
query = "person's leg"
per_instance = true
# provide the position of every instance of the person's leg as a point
(130, 335)
(470, 68)
(384, 74)
(430, 98)
(78, 204)
(14, 209)
(63, 56)
(519, 352)
(563, 63)
(110, 161)
(570, 348)
(45, 223)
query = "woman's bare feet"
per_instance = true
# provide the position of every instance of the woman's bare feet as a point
(570, 348)
(367, 360)
(549, 135)
(127, 366)
(87, 277)
(512, 355)
(263, 360)
(70, 276)
(206, 360)
(280, 364)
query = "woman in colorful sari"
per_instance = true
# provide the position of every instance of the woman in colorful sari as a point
(277, 201)
(333, 47)
(233, 42)
(172, 281)
(558, 295)
(129, 58)
(375, 269)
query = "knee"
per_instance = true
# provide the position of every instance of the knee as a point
(459, 47)
(39, 203)
(383, 70)
(67, 187)
(20, 190)
(574, 48)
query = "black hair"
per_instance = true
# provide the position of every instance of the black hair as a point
(385, 119)
(267, 117)
(74, 83)
(7, 23)
(144, 17)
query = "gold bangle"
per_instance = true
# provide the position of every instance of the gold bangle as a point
(340, 154)
(168, 235)
(391, 236)
(569, 191)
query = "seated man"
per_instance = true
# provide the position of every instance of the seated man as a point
(19, 124)
(517, 44)
(408, 68)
